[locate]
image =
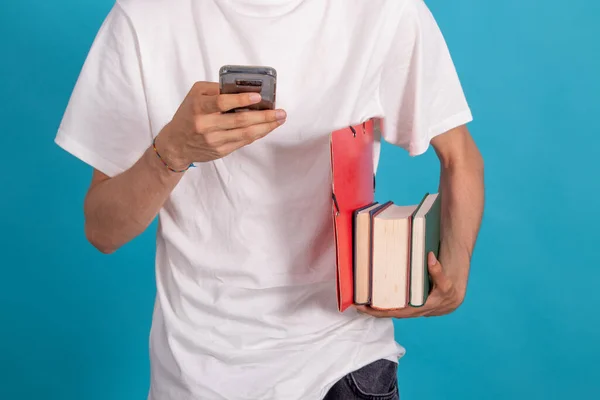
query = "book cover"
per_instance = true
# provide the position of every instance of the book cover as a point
(391, 257)
(425, 238)
(352, 171)
(363, 251)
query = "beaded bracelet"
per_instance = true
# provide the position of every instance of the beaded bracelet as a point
(165, 163)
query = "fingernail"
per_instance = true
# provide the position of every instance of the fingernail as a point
(254, 97)
(432, 259)
(280, 115)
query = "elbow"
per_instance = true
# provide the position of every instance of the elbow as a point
(99, 241)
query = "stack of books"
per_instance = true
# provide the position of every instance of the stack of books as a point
(381, 249)
(391, 244)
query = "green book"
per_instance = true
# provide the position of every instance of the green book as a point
(425, 238)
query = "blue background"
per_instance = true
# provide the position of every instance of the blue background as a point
(74, 323)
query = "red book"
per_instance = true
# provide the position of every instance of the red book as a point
(353, 187)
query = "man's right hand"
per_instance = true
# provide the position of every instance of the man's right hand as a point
(200, 131)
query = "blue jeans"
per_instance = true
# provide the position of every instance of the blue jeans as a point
(376, 381)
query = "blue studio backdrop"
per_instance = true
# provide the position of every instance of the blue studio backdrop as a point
(74, 324)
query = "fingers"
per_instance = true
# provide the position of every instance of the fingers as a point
(207, 99)
(443, 299)
(249, 134)
(220, 122)
(225, 102)
(209, 132)
(373, 312)
(228, 141)
(408, 312)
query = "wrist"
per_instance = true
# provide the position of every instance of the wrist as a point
(170, 151)
(459, 275)
(457, 266)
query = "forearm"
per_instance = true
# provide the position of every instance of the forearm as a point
(120, 208)
(462, 191)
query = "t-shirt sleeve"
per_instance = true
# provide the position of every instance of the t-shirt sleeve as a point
(106, 122)
(421, 94)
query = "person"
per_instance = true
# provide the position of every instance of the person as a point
(246, 304)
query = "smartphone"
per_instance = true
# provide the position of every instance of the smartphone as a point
(235, 79)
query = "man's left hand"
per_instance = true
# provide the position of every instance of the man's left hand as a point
(445, 297)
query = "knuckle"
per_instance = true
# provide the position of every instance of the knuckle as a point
(240, 119)
(446, 286)
(263, 117)
(447, 291)
(199, 124)
(262, 131)
(221, 103)
(246, 135)
(242, 99)
(211, 141)
(223, 151)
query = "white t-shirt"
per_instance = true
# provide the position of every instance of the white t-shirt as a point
(246, 300)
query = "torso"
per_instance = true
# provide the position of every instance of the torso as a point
(246, 303)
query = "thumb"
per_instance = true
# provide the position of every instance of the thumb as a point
(432, 259)
(439, 278)
(435, 268)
